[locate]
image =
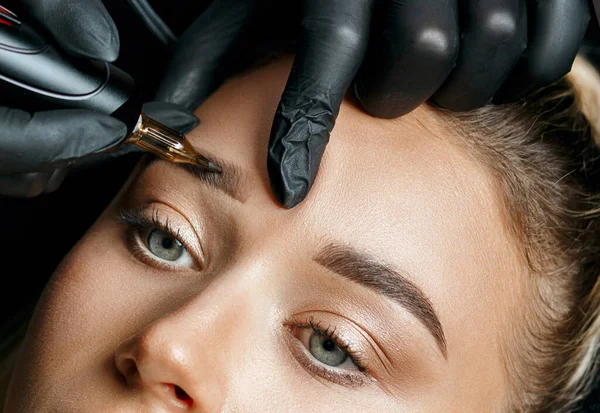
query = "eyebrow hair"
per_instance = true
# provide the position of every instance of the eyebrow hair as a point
(390, 282)
(229, 181)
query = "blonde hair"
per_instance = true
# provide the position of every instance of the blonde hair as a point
(544, 156)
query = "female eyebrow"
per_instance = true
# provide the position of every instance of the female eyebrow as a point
(386, 280)
(229, 181)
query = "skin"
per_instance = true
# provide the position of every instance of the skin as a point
(114, 331)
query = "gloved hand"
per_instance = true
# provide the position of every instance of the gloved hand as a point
(37, 148)
(461, 54)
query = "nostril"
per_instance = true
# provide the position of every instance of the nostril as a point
(183, 396)
(126, 369)
(129, 369)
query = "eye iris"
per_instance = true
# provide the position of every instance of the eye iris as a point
(326, 350)
(164, 245)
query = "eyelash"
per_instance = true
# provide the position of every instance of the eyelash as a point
(137, 221)
(344, 377)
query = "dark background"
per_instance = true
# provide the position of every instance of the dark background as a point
(36, 233)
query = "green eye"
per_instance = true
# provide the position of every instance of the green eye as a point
(326, 350)
(164, 245)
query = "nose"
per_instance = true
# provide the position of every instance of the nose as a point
(159, 365)
(156, 367)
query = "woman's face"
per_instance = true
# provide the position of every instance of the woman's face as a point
(391, 288)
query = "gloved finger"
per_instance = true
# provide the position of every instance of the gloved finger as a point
(494, 35)
(53, 138)
(174, 116)
(413, 48)
(96, 159)
(333, 44)
(195, 68)
(32, 184)
(26, 185)
(56, 179)
(81, 27)
(556, 32)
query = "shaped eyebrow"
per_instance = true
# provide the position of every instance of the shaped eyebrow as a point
(229, 181)
(385, 280)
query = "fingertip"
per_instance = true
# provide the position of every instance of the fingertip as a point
(104, 47)
(379, 106)
(288, 192)
(554, 40)
(56, 180)
(110, 133)
(410, 55)
(190, 124)
(294, 199)
(172, 115)
(295, 152)
(87, 31)
(25, 185)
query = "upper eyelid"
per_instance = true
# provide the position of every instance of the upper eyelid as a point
(195, 230)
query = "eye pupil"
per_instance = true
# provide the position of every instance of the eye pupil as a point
(329, 345)
(167, 243)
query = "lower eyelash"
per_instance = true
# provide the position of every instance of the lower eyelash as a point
(338, 377)
(133, 243)
(357, 378)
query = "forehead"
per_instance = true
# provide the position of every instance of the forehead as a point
(377, 177)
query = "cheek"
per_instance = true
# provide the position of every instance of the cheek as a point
(97, 298)
(80, 303)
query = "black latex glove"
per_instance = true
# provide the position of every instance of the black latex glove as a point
(37, 149)
(36, 142)
(52, 141)
(460, 54)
